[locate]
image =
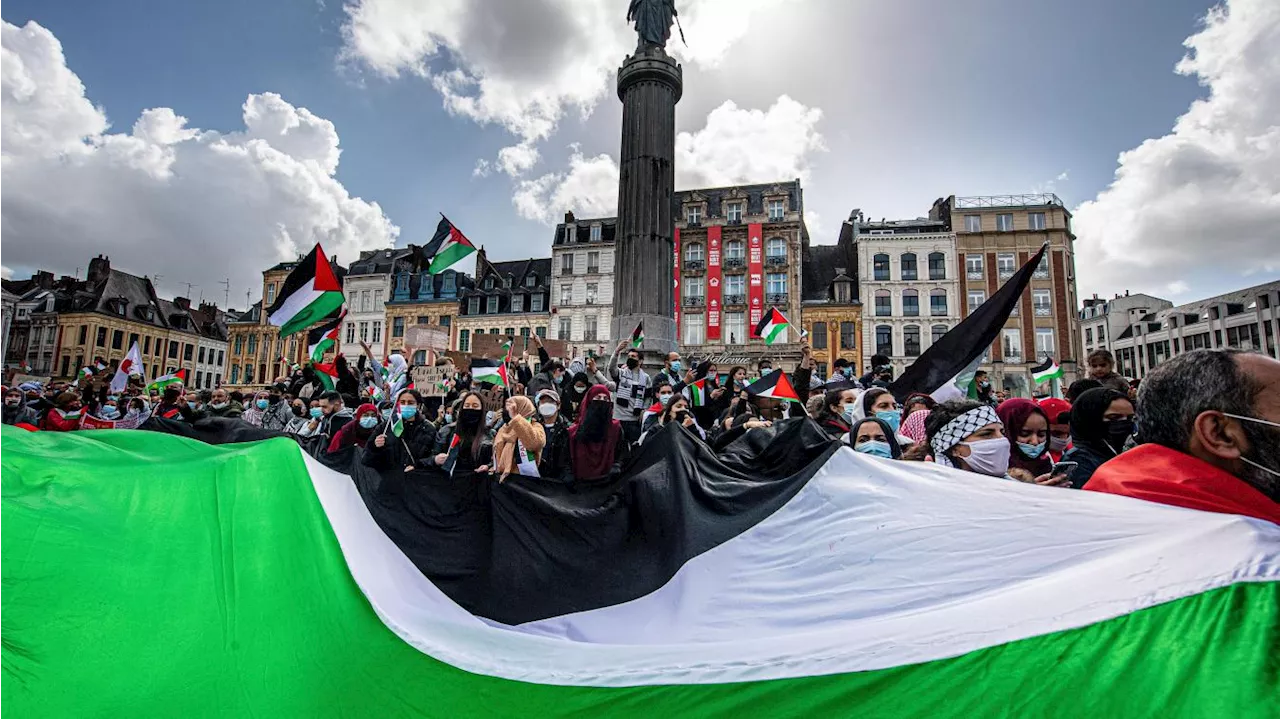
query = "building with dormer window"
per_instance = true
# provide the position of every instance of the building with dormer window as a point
(422, 300)
(507, 298)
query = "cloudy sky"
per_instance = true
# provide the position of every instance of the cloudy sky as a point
(205, 141)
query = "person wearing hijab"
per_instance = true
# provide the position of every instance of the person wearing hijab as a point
(466, 446)
(878, 402)
(358, 431)
(913, 426)
(838, 412)
(874, 436)
(412, 449)
(1059, 413)
(595, 440)
(1101, 423)
(520, 440)
(1027, 428)
(968, 435)
(397, 373)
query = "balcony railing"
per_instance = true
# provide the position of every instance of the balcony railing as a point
(1040, 274)
(776, 298)
(1042, 311)
(735, 263)
(695, 265)
(1012, 356)
(696, 301)
(593, 269)
(935, 276)
(735, 299)
(566, 271)
(775, 260)
(973, 275)
(1005, 274)
(938, 311)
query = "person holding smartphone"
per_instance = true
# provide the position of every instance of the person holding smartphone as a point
(1027, 428)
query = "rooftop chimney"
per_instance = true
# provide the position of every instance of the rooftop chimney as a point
(569, 219)
(99, 269)
(183, 303)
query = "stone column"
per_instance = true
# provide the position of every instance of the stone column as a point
(649, 84)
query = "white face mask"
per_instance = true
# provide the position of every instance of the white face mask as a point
(664, 398)
(1057, 444)
(547, 409)
(988, 456)
(1245, 459)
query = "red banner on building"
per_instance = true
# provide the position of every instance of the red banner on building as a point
(713, 283)
(675, 274)
(755, 275)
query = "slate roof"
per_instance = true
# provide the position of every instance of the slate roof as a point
(820, 263)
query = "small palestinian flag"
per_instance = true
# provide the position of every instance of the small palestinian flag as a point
(23, 366)
(327, 374)
(179, 377)
(1045, 371)
(506, 350)
(775, 385)
(773, 326)
(451, 458)
(85, 371)
(698, 393)
(655, 408)
(99, 365)
(310, 293)
(447, 247)
(637, 337)
(324, 337)
(489, 371)
(397, 423)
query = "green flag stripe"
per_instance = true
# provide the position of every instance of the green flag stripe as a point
(324, 304)
(219, 589)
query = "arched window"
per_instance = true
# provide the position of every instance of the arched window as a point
(909, 266)
(936, 333)
(937, 266)
(911, 340)
(938, 303)
(884, 340)
(910, 303)
(777, 247)
(880, 268)
(884, 303)
(693, 252)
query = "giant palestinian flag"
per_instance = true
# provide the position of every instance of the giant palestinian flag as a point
(783, 577)
(309, 294)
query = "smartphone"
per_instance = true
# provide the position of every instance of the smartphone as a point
(1063, 468)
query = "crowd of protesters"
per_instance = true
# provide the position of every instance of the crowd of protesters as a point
(1202, 430)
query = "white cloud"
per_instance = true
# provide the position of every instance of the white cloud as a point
(1210, 189)
(1177, 287)
(6, 273)
(189, 204)
(517, 159)
(1062, 176)
(736, 146)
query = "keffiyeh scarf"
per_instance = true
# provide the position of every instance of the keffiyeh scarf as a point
(959, 428)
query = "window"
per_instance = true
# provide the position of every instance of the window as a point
(884, 340)
(848, 336)
(235, 374)
(364, 331)
(693, 331)
(694, 214)
(84, 329)
(589, 328)
(938, 303)
(480, 332)
(735, 284)
(777, 283)
(884, 303)
(117, 339)
(446, 320)
(366, 302)
(271, 292)
(517, 303)
(693, 252)
(248, 374)
(908, 269)
(1088, 335)
(570, 233)
(509, 332)
(818, 335)
(101, 340)
(1005, 264)
(880, 268)
(776, 208)
(973, 267)
(595, 233)
(735, 325)
(734, 250)
(936, 333)
(566, 328)
(535, 304)
(424, 319)
(221, 356)
(450, 283)
(1035, 220)
(937, 266)
(1040, 301)
(910, 303)
(593, 262)
(66, 366)
(377, 299)
(488, 282)
(973, 223)
(1004, 222)
(1042, 269)
(911, 341)
(173, 350)
(566, 294)
(493, 305)
(524, 332)
(351, 333)
(540, 331)
(464, 340)
(1044, 342)
(566, 263)
(777, 247)
(733, 211)
(976, 298)
(1011, 342)
(473, 306)
(200, 356)
(377, 330)
(592, 289)
(694, 287)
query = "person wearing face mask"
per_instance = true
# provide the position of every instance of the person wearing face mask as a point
(574, 391)
(838, 412)
(663, 392)
(1101, 424)
(466, 447)
(716, 398)
(65, 415)
(1027, 428)
(679, 411)
(551, 376)
(412, 449)
(672, 369)
(596, 442)
(174, 405)
(969, 436)
(1210, 433)
(110, 409)
(878, 402)
(875, 437)
(358, 431)
(520, 440)
(17, 412)
(555, 452)
(220, 406)
(1059, 413)
(629, 399)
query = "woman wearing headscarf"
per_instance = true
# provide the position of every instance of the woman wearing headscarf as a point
(838, 412)
(874, 436)
(967, 435)
(517, 447)
(595, 440)
(575, 390)
(1027, 428)
(1101, 423)
(913, 426)
(358, 431)
(915, 402)
(466, 446)
(878, 402)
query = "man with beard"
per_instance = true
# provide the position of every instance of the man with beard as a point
(632, 390)
(1209, 421)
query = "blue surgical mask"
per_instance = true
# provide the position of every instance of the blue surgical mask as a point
(368, 422)
(386, 414)
(848, 410)
(875, 448)
(448, 417)
(316, 413)
(109, 412)
(675, 366)
(408, 411)
(262, 404)
(891, 417)
(1032, 451)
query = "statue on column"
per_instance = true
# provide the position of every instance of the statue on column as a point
(653, 20)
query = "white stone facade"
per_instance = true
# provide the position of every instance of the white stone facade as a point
(582, 274)
(366, 314)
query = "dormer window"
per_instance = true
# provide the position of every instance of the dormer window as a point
(595, 233)
(531, 281)
(488, 282)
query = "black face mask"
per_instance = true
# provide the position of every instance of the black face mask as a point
(632, 363)
(273, 399)
(1117, 432)
(171, 396)
(297, 411)
(470, 419)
